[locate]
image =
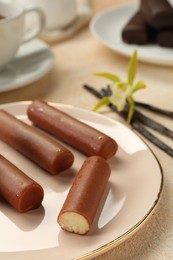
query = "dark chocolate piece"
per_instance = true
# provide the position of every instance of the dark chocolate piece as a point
(136, 30)
(165, 38)
(157, 13)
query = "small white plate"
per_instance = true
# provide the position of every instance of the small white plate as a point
(107, 28)
(33, 60)
(133, 192)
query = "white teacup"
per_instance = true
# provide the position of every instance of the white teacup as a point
(59, 13)
(12, 28)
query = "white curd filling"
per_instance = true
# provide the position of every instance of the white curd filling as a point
(74, 222)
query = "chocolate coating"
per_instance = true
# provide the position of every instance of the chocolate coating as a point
(136, 31)
(17, 188)
(81, 136)
(34, 144)
(85, 194)
(165, 38)
(157, 13)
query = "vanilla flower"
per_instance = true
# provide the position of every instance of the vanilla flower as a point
(122, 91)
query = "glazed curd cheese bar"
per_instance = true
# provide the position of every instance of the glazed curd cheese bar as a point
(18, 189)
(157, 13)
(165, 37)
(72, 131)
(82, 202)
(34, 144)
(151, 23)
(136, 31)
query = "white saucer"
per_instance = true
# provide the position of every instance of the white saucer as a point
(107, 27)
(33, 61)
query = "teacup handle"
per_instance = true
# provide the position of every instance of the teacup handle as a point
(38, 27)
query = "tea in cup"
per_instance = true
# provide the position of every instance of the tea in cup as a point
(2, 17)
(12, 28)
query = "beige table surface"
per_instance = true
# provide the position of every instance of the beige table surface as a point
(75, 61)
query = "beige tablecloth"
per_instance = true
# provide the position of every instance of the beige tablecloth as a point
(75, 61)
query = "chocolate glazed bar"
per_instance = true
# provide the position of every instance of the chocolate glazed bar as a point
(79, 135)
(165, 38)
(157, 13)
(83, 199)
(17, 188)
(34, 144)
(136, 30)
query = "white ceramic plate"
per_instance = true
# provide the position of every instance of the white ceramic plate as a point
(133, 192)
(33, 60)
(107, 27)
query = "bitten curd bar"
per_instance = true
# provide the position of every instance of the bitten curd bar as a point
(82, 202)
